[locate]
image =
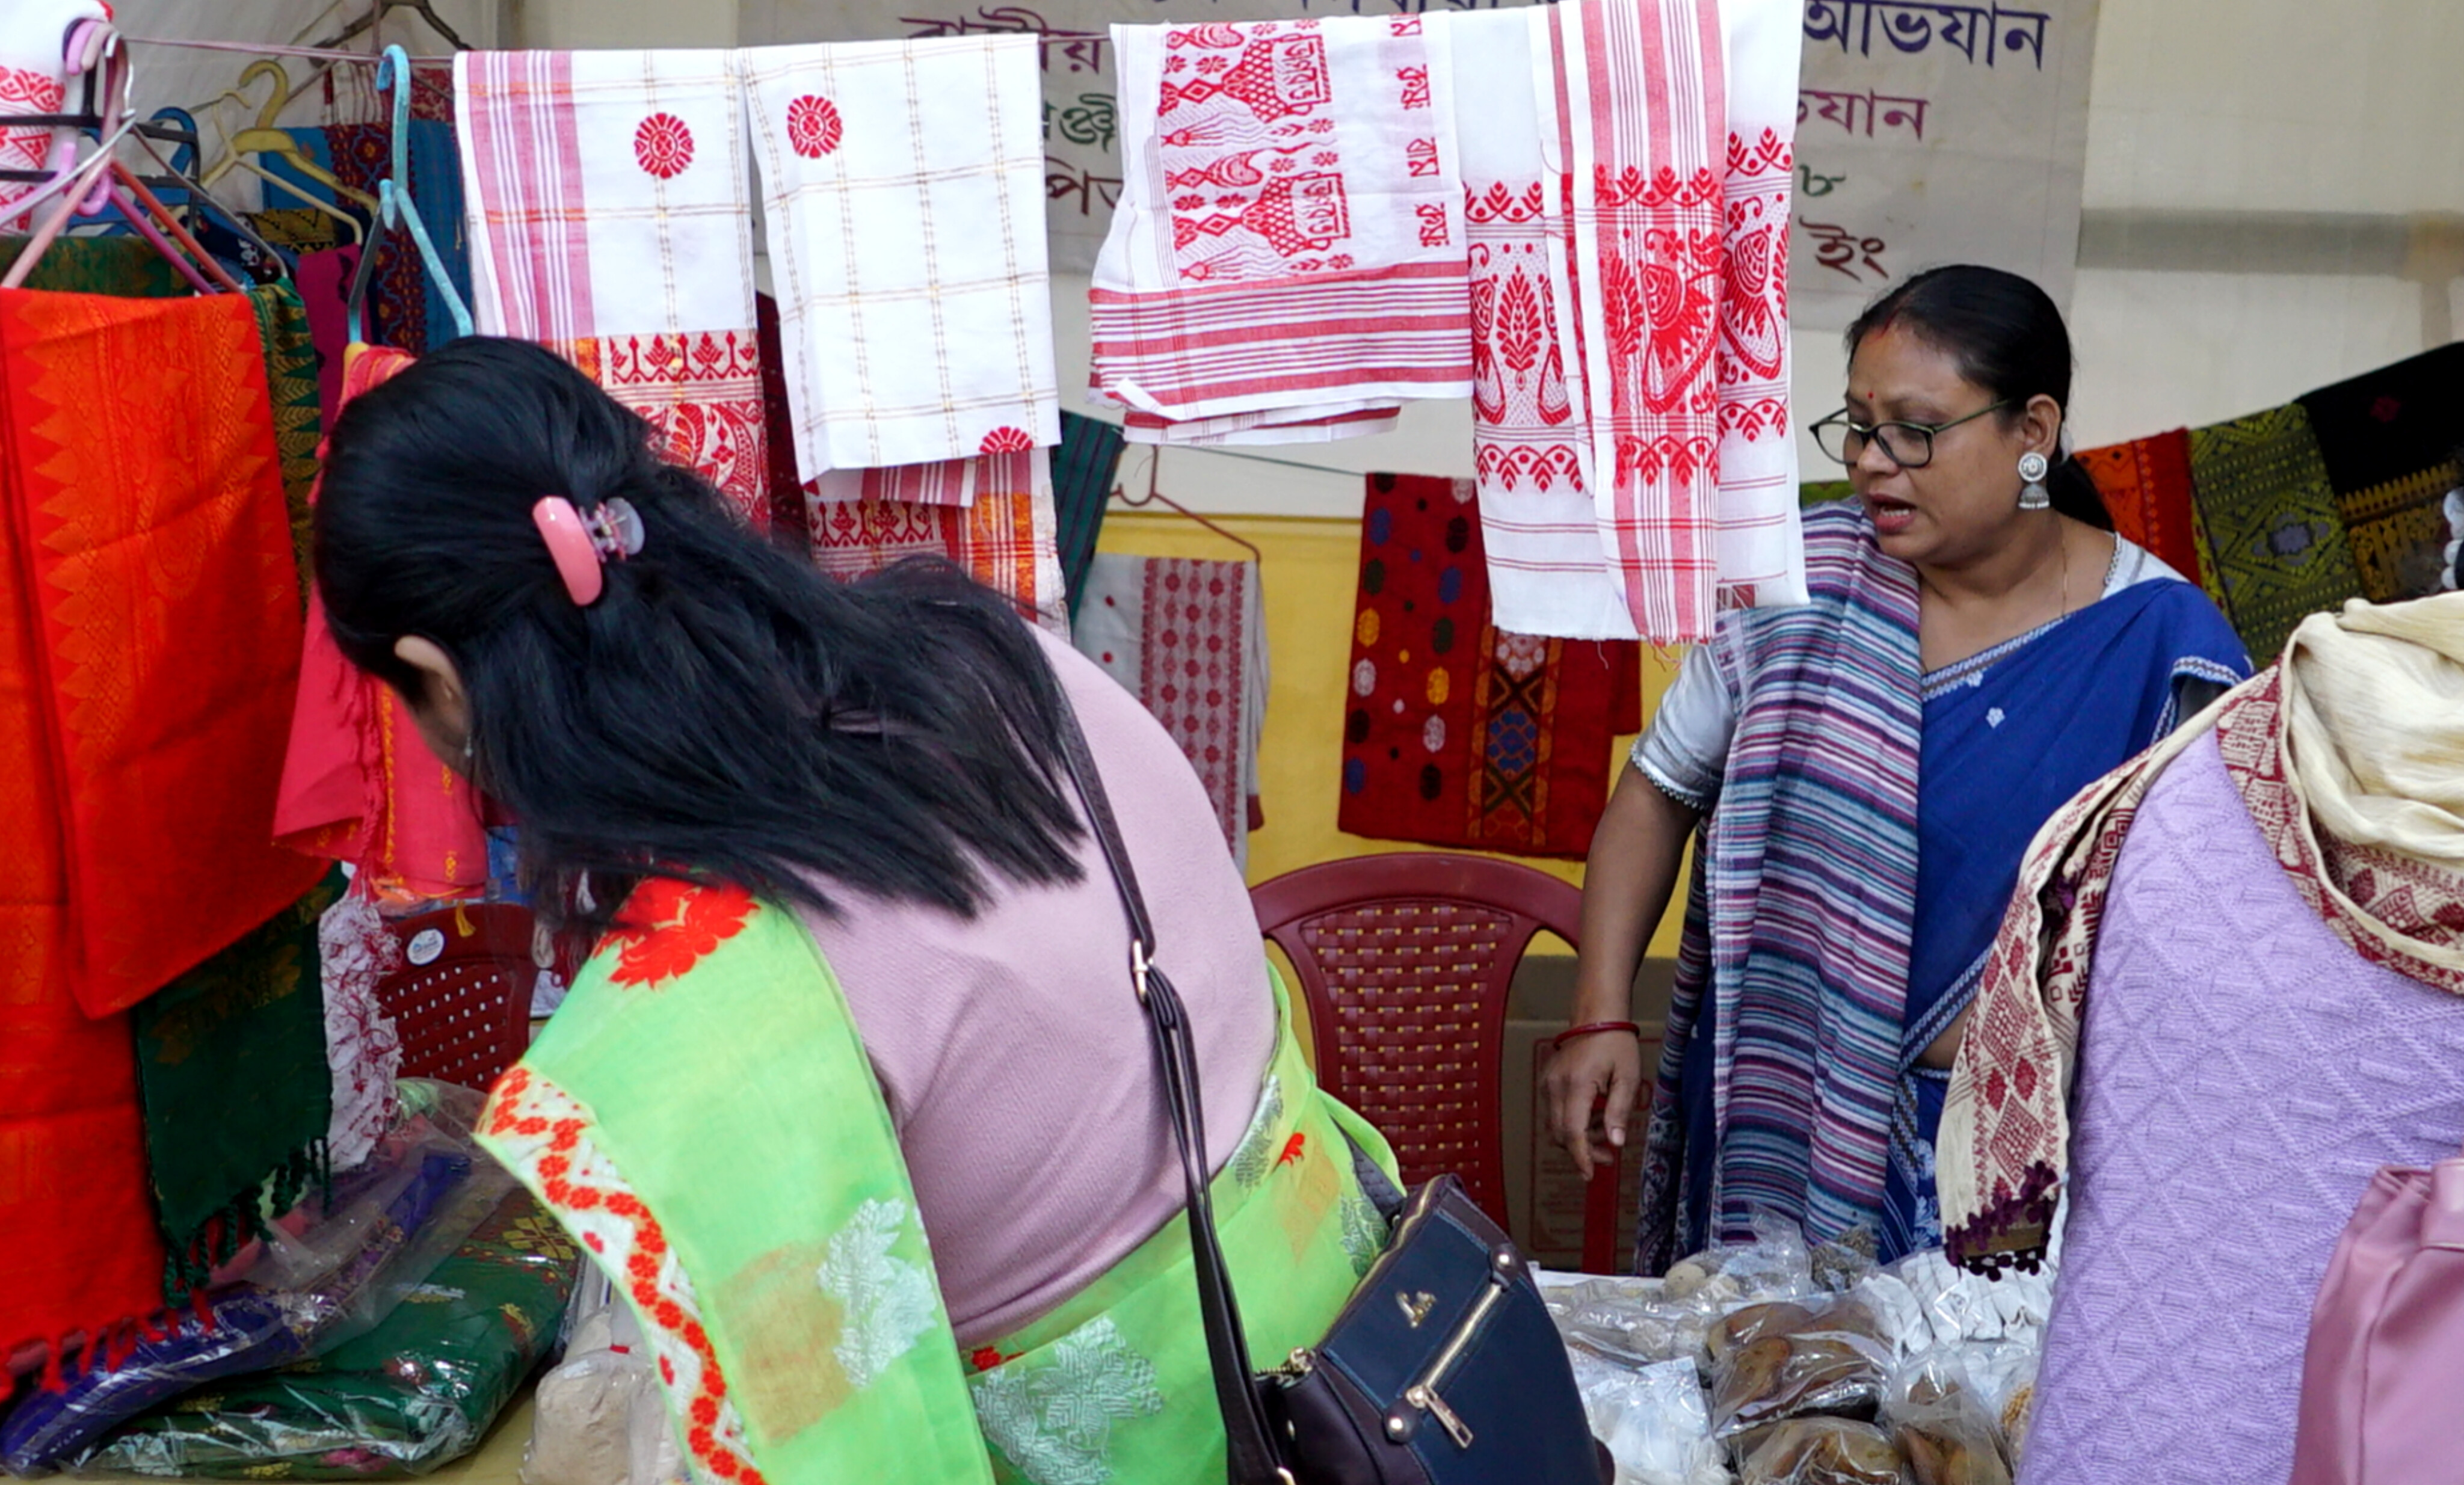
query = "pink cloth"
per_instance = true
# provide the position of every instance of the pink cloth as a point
(2242, 1076)
(1013, 1058)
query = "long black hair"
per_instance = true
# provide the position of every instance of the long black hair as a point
(2008, 338)
(723, 712)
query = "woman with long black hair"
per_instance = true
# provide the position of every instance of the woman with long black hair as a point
(852, 1101)
(1867, 771)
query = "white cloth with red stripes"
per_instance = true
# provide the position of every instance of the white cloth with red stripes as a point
(1289, 236)
(603, 194)
(902, 186)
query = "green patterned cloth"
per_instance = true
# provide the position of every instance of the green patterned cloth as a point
(418, 1391)
(2269, 518)
(299, 423)
(701, 1116)
(128, 268)
(232, 1073)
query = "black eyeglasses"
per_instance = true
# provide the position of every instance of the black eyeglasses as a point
(1910, 444)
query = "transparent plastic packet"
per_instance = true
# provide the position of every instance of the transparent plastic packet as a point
(324, 1276)
(1787, 1358)
(1653, 1421)
(1943, 1423)
(1818, 1451)
(1924, 1300)
(1775, 1266)
(1628, 1320)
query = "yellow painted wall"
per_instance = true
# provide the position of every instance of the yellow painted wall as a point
(1308, 576)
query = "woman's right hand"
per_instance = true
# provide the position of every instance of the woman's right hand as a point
(1606, 1065)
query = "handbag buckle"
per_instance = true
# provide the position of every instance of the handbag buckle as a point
(1138, 968)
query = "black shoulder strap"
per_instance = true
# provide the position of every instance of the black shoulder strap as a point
(1250, 1453)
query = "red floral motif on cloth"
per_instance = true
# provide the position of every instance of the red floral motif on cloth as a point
(23, 91)
(2015, 1070)
(1006, 441)
(701, 392)
(1648, 116)
(664, 146)
(813, 126)
(548, 1136)
(667, 926)
(1005, 540)
(1524, 425)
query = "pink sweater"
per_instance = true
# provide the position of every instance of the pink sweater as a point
(1015, 1058)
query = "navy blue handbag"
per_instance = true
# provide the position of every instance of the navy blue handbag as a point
(1444, 1368)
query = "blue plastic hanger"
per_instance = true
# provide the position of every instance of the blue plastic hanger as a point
(395, 207)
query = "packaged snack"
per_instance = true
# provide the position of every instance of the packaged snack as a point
(1777, 1360)
(1943, 1424)
(1818, 1452)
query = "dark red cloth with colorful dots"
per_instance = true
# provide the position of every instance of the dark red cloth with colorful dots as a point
(1457, 734)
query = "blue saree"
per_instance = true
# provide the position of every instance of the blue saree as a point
(1844, 909)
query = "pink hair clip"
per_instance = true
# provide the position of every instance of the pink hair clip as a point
(581, 545)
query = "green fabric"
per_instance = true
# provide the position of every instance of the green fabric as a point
(702, 1116)
(127, 266)
(299, 422)
(2269, 520)
(230, 1070)
(418, 1391)
(1822, 491)
(1083, 470)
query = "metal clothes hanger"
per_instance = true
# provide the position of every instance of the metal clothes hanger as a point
(425, 9)
(1156, 496)
(398, 209)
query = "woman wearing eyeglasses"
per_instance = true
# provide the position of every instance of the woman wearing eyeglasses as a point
(1867, 771)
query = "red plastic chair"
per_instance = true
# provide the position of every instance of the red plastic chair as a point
(464, 1014)
(1405, 962)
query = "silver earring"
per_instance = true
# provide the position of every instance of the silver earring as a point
(2033, 495)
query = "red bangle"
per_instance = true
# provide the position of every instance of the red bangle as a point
(1589, 1027)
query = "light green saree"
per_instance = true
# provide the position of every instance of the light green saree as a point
(701, 1116)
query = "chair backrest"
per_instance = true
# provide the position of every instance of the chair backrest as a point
(462, 1001)
(1405, 962)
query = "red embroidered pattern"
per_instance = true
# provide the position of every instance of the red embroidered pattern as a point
(668, 927)
(1522, 407)
(545, 1134)
(1193, 680)
(1234, 141)
(1753, 308)
(663, 145)
(701, 393)
(1006, 441)
(24, 92)
(813, 126)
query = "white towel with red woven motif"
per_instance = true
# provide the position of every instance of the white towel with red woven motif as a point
(32, 74)
(605, 200)
(1289, 237)
(1761, 541)
(902, 186)
(1647, 108)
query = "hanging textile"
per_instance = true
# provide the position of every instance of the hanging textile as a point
(1004, 540)
(142, 681)
(404, 310)
(785, 492)
(1188, 639)
(2269, 521)
(1459, 733)
(127, 267)
(1761, 545)
(298, 425)
(903, 192)
(2391, 440)
(356, 952)
(142, 480)
(324, 281)
(2147, 490)
(1645, 108)
(358, 783)
(1224, 289)
(230, 1069)
(1328, 423)
(605, 198)
(1084, 471)
(33, 80)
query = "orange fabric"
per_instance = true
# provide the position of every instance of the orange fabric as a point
(2147, 492)
(146, 498)
(358, 783)
(148, 611)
